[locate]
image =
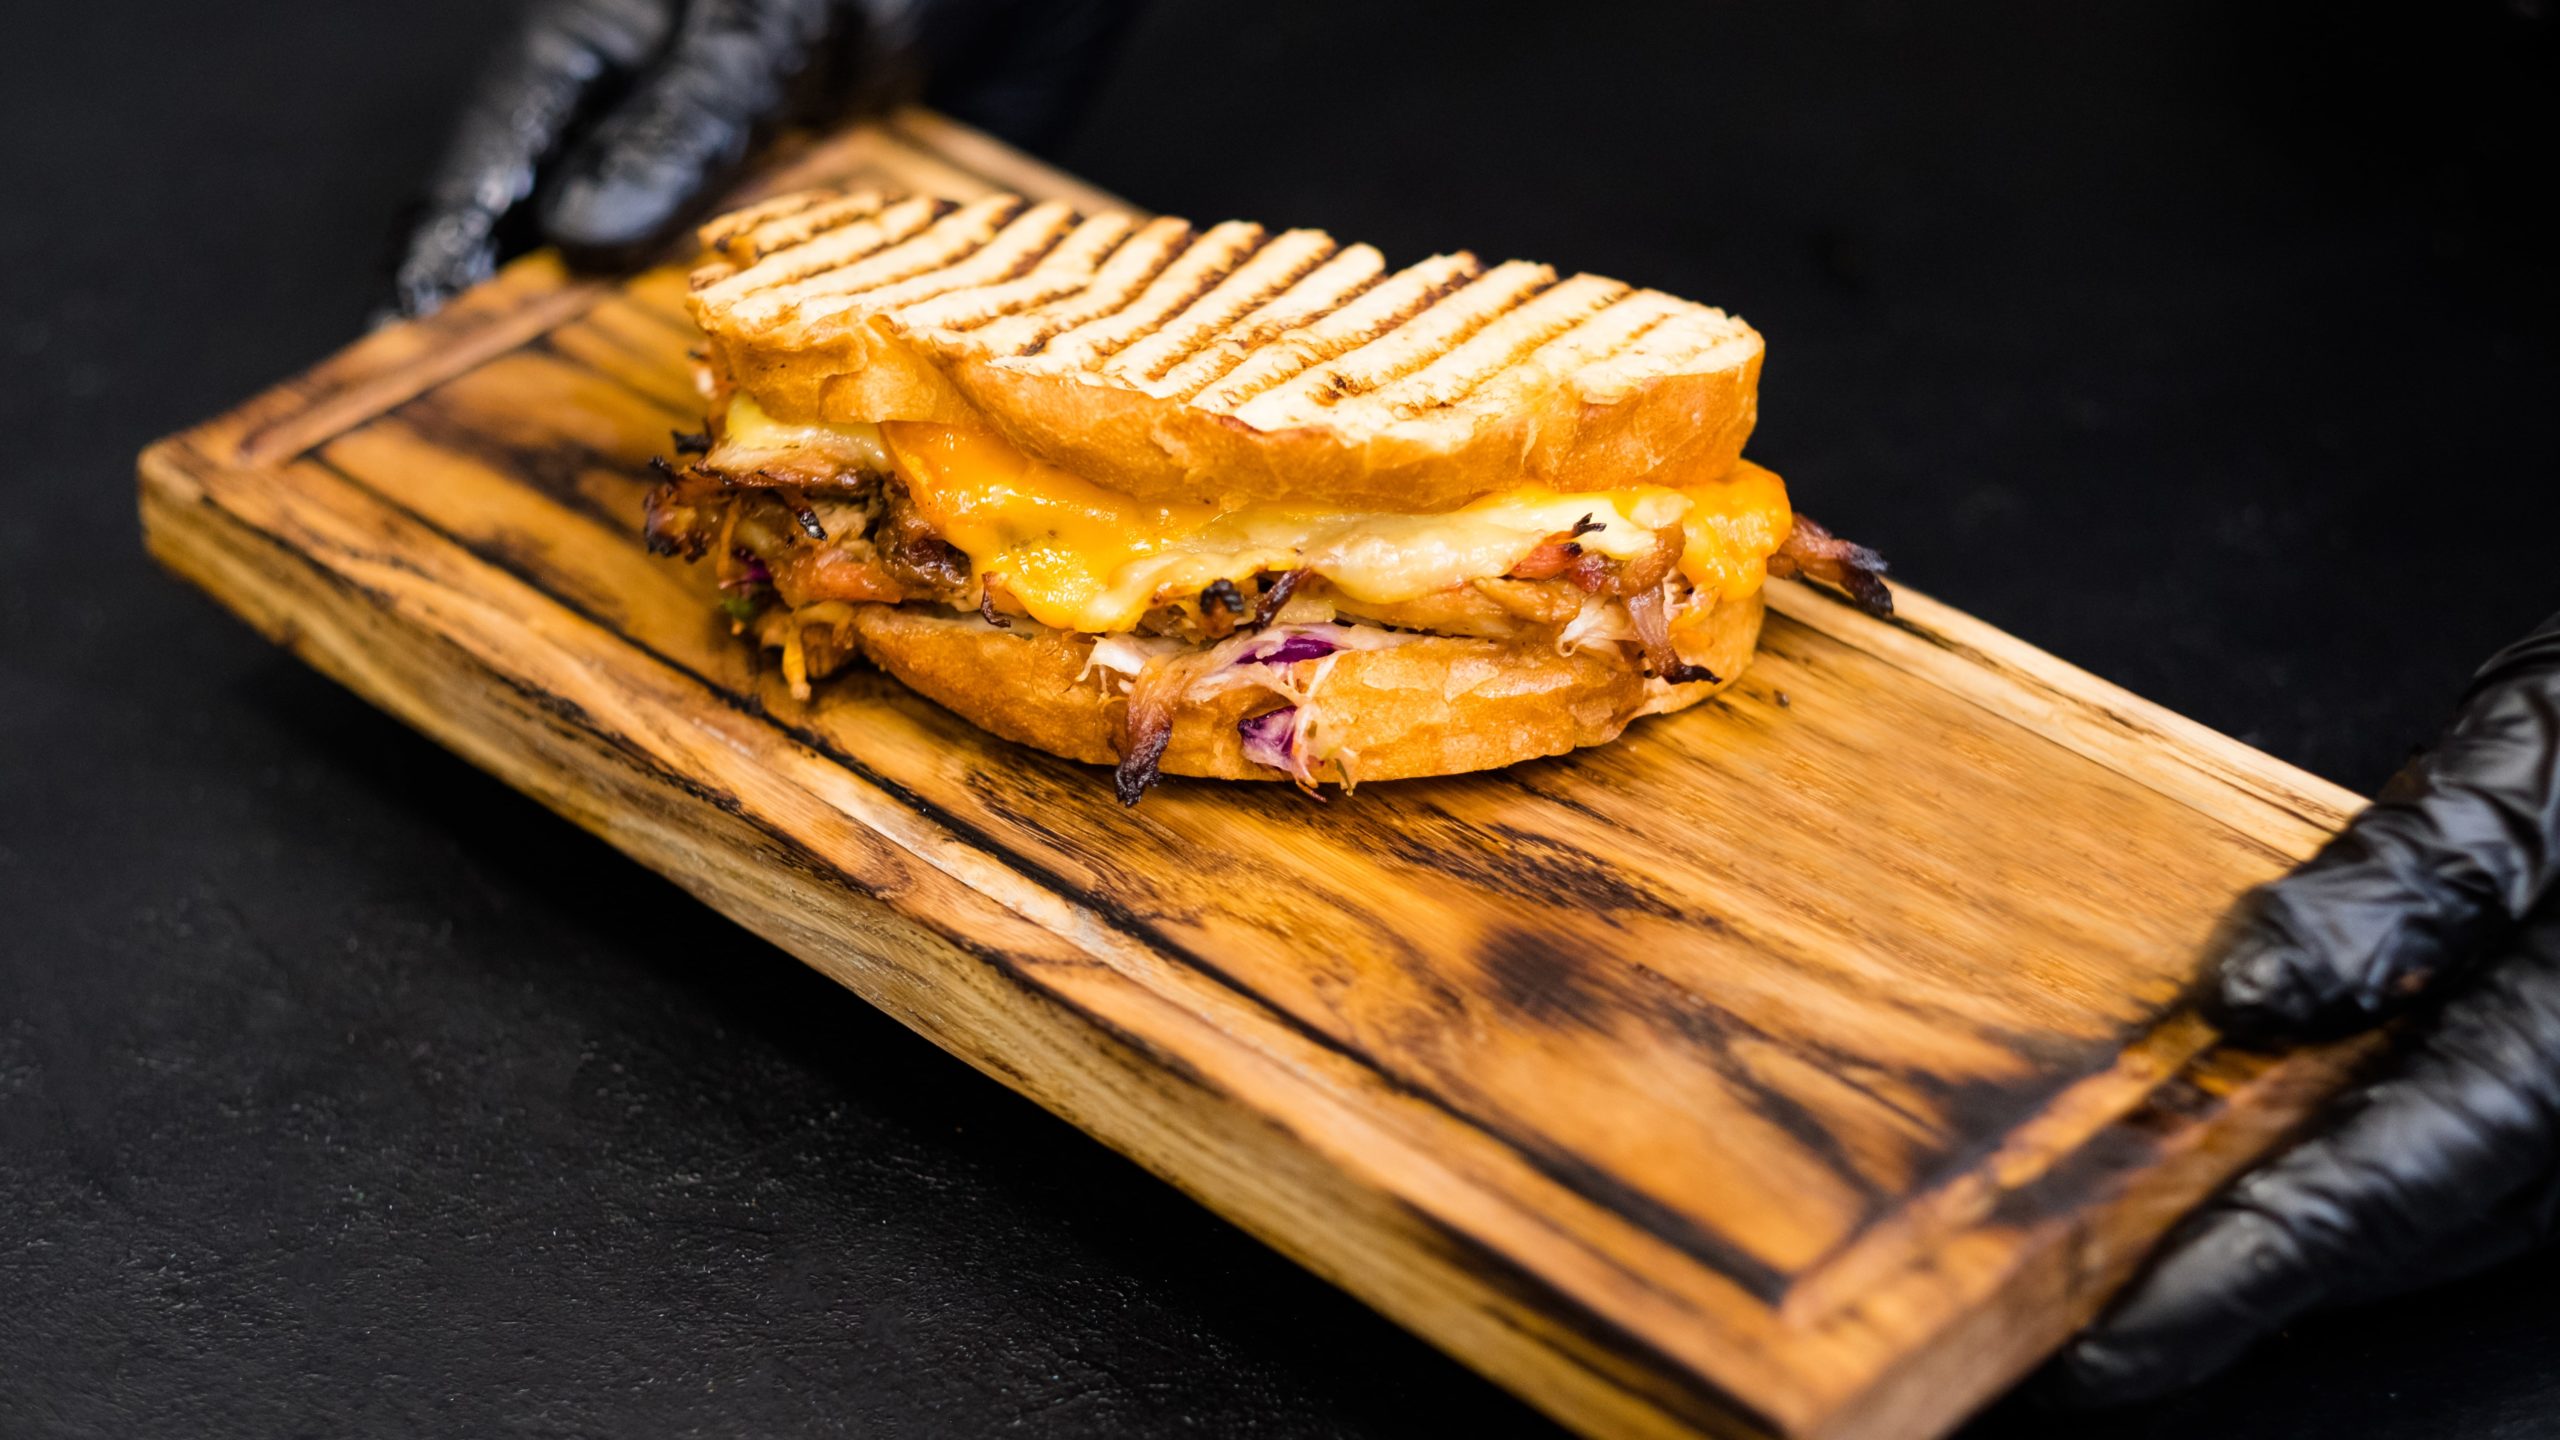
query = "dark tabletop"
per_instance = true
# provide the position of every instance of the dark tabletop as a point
(2211, 346)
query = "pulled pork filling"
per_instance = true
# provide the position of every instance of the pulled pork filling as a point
(798, 537)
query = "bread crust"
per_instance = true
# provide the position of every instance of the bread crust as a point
(1436, 705)
(1675, 430)
(1477, 381)
(1228, 366)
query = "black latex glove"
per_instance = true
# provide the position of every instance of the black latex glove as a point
(2451, 1161)
(605, 125)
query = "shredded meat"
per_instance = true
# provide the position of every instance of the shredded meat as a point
(1224, 607)
(848, 571)
(686, 510)
(675, 518)
(819, 532)
(1561, 555)
(1649, 570)
(879, 550)
(1486, 609)
(1148, 722)
(929, 566)
(1538, 602)
(1555, 555)
(1595, 574)
(1814, 551)
(802, 514)
(1662, 660)
(1275, 593)
(1640, 584)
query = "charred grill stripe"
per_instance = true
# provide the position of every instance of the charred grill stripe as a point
(1596, 339)
(1682, 339)
(1503, 343)
(1420, 338)
(1451, 322)
(725, 229)
(1132, 267)
(1018, 246)
(836, 248)
(1379, 308)
(1337, 282)
(1604, 334)
(782, 233)
(1220, 250)
(724, 232)
(1276, 332)
(1065, 269)
(1114, 283)
(1279, 264)
(949, 241)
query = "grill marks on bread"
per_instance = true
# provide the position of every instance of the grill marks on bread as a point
(770, 278)
(1377, 311)
(1013, 248)
(1165, 299)
(1497, 344)
(1273, 268)
(1063, 271)
(1116, 281)
(952, 239)
(1407, 346)
(1277, 331)
(1278, 326)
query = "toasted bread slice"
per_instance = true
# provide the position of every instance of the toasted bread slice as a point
(1439, 705)
(1223, 365)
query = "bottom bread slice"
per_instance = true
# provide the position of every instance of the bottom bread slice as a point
(1429, 705)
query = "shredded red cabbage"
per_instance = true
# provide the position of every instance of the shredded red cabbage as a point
(1291, 650)
(754, 572)
(1267, 737)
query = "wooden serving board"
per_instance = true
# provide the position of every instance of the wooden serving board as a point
(1811, 1063)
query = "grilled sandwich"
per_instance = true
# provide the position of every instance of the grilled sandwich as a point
(1225, 502)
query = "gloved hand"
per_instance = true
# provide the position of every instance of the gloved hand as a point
(604, 125)
(2439, 901)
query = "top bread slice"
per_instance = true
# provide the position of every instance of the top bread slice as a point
(1223, 365)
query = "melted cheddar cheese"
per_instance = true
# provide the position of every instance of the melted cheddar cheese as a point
(1080, 557)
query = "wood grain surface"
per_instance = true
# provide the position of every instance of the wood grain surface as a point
(1809, 1064)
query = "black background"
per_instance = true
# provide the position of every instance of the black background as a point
(342, 1091)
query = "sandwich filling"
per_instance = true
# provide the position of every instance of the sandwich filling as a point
(1538, 474)
(805, 521)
